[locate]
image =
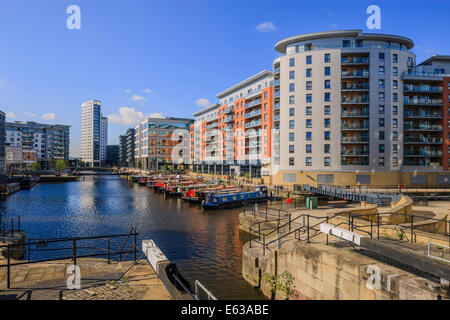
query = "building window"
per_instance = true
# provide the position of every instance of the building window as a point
(326, 135)
(381, 148)
(308, 98)
(346, 43)
(381, 56)
(308, 123)
(308, 85)
(291, 74)
(395, 97)
(292, 62)
(308, 59)
(394, 58)
(326, 110)
(291, 87)
(381, 70)
(326, 161)
(395, 136)
(381, 109)
(308, 73)
(395, 84)
(394, 110)
(308, 161)
(291, 124)
(381, 162)
(291, 161)
(327, 71)
(395, 71)
(291, 136)
(395, 148)
(381, 83)
(326, 148)
(327, 123)
(327, 84)
(308, 136)
(308, 148)
(395, 123)
(381, 122)
(395, 162)
(327, 97)
(381, 135)
(291, 112)
(327, 58)
(308, 111)
(381, 96)
(291, 148)
(291, 99)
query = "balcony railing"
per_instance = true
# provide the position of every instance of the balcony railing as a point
(253, 114)
(355, 87)
(276, 94)
(276, 106)
(356, 162)
(424, 102)
(355, 60)
(431, 89)
(433, 115)
(435, 140)
(422, 153)
(276, 82)
(276, 70)
(361, 126)
(355, 101)
(355, 152)
(252, 124)
(352, 74)
(253, 103)
(355, 139)
(355, 113)
(423, 127)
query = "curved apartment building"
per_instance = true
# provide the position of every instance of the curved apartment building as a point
(349, 109)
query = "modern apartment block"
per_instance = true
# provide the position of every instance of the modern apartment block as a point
(162, 142)
(112, 155)
(235, 135)
(353, 108)
(94, 132)
(126, 149)
(43, 143)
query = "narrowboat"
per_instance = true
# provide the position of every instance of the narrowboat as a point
(12, 188)
(28, 182)
(230, 200)
(198, 196)
(143, 181)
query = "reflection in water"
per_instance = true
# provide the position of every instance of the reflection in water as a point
(205, 245)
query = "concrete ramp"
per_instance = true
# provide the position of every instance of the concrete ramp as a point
(399, 211)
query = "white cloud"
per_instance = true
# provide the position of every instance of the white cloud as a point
(149, 91)
(266, 27)
(127, 116)
(128, 91)
(137, 98)
(29, 114)
(157, 115)
(49, 116)
(202, 102)
(10, 115)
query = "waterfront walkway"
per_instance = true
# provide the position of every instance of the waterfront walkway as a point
(48, 281)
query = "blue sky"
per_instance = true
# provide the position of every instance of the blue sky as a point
(142, 57)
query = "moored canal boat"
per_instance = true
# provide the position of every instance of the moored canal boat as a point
(237, 199)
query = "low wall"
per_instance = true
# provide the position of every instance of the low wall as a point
(320, 271)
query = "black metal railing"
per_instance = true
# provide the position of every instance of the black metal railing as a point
(9, 226)
(47, 250)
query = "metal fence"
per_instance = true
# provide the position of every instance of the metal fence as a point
(9, 227)
(47, 250)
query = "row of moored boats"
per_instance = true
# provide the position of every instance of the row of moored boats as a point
(210, 194)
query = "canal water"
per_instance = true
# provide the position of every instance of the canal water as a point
(205, 245)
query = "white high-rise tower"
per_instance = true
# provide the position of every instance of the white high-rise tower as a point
(91, 129)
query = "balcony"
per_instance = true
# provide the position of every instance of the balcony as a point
(253, 114)
(252, 124)
(359, 100)
(276, 82)
(213, 126)
(276, 94)
(355, 113)
(422, 102)
(276, 106)
(351, 140)
(276, 70)
(355, 126)
(354, 60)
(361, 86)
(423, 115)
(253, 103)
(355, 152)
(353, 74)
(422, 88)
(423, 140)
(363, 161)
(228, 119)
(422, 127)
(276, 117)
(422, 153)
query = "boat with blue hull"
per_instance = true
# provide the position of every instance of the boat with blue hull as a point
(237, 199)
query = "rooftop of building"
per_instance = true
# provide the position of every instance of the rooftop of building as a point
(358, 34)
(246, 82)
(436, 57)
(35, 124)
(207, 109)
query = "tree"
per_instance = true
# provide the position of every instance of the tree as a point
(35, 166)
(139, 165)
(60, 165)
